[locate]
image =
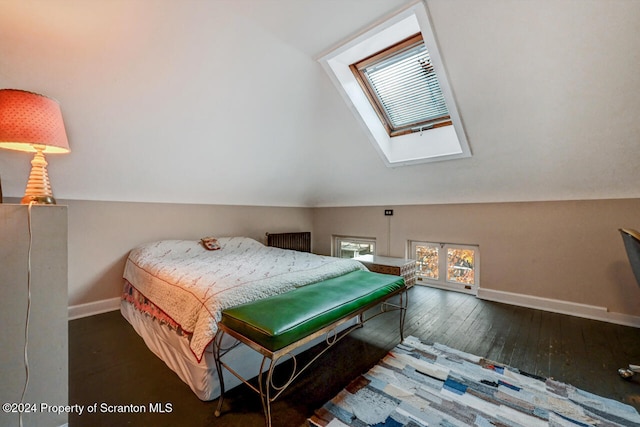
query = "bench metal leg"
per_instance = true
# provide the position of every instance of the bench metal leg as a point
(404, 303)
(265, 382)
(265, 389)
(401, 305)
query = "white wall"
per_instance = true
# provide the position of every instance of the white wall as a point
(164, 101)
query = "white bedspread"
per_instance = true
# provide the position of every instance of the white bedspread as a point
(193, 285)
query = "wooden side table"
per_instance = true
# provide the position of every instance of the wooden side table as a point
(390, 265)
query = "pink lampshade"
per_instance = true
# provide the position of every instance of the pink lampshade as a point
(28, 119)
(32, 122)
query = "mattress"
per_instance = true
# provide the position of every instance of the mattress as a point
(173, 348)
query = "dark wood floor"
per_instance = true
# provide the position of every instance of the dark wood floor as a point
(109, 363)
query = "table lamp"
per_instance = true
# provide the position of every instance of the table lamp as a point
(33, 123)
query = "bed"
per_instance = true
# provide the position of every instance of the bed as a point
(175, 291)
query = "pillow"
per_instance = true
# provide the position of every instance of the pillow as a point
(210, 243)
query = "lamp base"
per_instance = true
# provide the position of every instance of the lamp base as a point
(38, 200)
(38, 188)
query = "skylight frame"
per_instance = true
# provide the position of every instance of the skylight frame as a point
(397, 53)
(437, 144)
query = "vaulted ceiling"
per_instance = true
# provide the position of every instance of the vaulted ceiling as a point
(224, 101)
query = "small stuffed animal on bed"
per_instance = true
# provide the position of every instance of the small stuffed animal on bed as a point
(210, 243)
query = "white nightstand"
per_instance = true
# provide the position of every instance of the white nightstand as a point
(390, 265)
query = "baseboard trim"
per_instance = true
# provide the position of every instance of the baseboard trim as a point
(92, 308)
(559, 306)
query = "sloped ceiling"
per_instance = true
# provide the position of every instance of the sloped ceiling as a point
(224, 102)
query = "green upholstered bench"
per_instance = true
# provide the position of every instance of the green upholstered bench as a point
(281, 320)
(278, 325)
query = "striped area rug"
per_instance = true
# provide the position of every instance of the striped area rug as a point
(418, 384)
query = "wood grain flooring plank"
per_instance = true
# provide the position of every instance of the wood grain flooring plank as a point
(573, 349)
(522, 355)
(504, 320)
(555, 357)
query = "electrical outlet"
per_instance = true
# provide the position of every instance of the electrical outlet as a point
(388, 212)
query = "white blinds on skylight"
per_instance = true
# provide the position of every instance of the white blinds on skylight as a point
(408, 88)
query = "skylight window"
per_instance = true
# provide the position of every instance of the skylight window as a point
(403, 88)
(394, 81)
